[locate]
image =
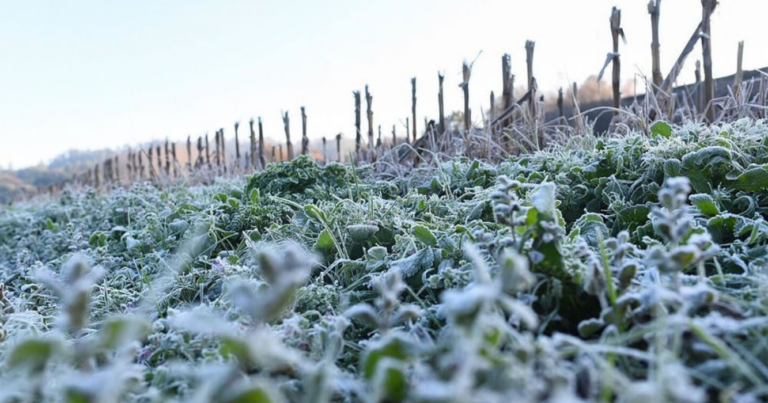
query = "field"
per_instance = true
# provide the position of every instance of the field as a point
(617, 268)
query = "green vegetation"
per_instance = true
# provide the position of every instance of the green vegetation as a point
(623, 268)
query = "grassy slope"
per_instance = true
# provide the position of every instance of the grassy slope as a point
(461, 281)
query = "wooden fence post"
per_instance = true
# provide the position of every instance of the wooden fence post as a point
(199, 161)
(175, 161)
(529, 48)
(440, 101)
(159, 162)
(493, 113)
(280, 149)
(394, 136)
(207, 152)
(654, 10)
(358, 134)
(615, 33)
(466, 71)
(189, 153)
(413, 106)
(560, 102)
(507, 80)
(237, 145)
(223, 150)
(167, 159)
(151, 169)
(699, 90)
(338, 147)
(407, 130)
(117, 167)
(706, 47)
(739, 71)
(217, 140)
(304, 138)
(325, 152)
(252, 161)
(369, 116)
(261, 146)
(273, 154)
(288, 144)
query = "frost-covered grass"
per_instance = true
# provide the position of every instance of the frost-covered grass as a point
(626, 268)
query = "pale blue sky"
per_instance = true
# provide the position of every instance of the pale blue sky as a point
(91, 74)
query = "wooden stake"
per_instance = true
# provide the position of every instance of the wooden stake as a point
(654, 9)
(325, 153)
(466, 72)
(175, 161)
(223, 150)
(199, 152)
(288, 144)
(560, 102)
(189, 153)
(167, 159)
(338, 147)
(739, 70)
(407, 130)
(273, 154)
(699, 89)
(394, 136)
(237, 145)
(218, 152)
(280, 149)
(369, 116)
(507, 80)
(529, 48)
(358, 134)
(150, 163)
(615, 33)
(413, 106)
(706, 47)
(493, 112)
(252, 160)
(304, 138)
(207, 152)
(440, 101)
(261, 146)
(159, 162)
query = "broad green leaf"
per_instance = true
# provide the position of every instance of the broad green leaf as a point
(543, 200)
(325, 242)
(661, 128)
(32, 353)
(752, 180)
(705, 204)
(424, 235)
(392, 346)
